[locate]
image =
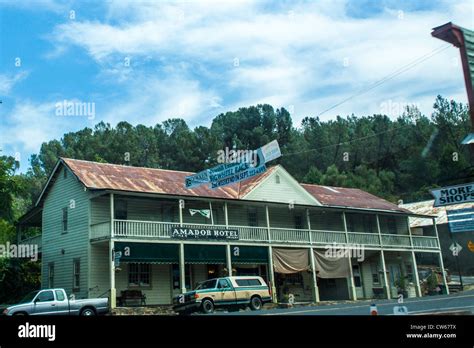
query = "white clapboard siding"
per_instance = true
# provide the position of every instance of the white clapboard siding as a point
(62, 248)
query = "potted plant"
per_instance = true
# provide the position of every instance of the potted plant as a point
(432, 284)
(402, 285)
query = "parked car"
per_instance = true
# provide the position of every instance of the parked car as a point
(56, 302)
(229, 292)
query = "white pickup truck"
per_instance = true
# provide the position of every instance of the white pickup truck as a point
(56, 302)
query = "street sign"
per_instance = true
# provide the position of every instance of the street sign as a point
(453, 195)
(455, 249)
(461, 220)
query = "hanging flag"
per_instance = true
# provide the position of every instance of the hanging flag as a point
(204, 212)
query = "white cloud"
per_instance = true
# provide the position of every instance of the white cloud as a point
(8, 81)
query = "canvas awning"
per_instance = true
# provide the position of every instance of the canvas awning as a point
(148, 252)
(206, 254)
(330, 267)
(249, 254)
(289, 261)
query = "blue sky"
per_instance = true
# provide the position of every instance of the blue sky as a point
(195, 60)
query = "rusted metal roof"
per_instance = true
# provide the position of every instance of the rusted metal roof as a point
(426, 208)
(350, 197)
(160, 181)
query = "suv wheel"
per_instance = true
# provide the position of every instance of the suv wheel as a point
(255, 303)
(207, 306)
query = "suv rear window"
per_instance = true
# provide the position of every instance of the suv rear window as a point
(248, 282)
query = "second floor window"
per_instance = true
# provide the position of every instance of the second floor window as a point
(299, 225)
(121, 210)
(65, 219)
(252, 217)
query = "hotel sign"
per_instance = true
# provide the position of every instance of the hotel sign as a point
(203, 233)
(453, 195)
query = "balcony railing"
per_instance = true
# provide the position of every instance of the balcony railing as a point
(32, 241)
(249, 234)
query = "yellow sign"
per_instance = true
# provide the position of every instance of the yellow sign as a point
(470, 246)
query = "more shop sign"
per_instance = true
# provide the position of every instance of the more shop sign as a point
(453, 195)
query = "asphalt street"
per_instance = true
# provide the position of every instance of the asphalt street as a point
(463, 301)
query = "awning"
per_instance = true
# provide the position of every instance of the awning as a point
(196, 253)
(249, 254)
(330, 267)
(148, 252)
(289, 261)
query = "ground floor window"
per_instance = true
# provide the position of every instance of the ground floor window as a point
(139, 274)
(51, 275)
(76, 271)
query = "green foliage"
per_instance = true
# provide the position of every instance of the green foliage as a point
(17, 278)
(396, 159)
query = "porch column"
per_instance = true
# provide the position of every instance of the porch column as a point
(267, 215)
(229, 260)
(226, 216)
(181, 206)
(182, 275)
(113, 291)
(441, 263)
(271, 274)
(415, 272)
(351, 284)
(212, 215)
(315, 280)
(385, 278)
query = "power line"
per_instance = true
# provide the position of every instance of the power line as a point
(390, 76)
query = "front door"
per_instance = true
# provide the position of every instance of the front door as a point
(356, 272)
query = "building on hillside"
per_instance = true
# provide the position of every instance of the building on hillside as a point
(172, 238)
(465, 258)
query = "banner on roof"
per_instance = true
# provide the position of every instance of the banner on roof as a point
(453, 195)
(228, 173)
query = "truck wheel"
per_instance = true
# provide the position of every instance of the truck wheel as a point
(88, 312)
(255, 303)
(207, 306)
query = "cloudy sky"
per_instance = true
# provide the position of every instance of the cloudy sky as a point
(144, 61)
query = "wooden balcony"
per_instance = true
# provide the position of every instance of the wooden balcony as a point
(161, 230)
(32, 241)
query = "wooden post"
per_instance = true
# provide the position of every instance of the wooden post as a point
(267, 214)
(385, 278)
(351, 283)
(181, 206)
(415, 272)
(272, 274)
(315, 279)
(229, 260)
(212, 215)
(441, 263)
(113, 291)
(182, 275)
(226, 216)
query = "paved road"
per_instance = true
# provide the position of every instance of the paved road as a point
(455, 302)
